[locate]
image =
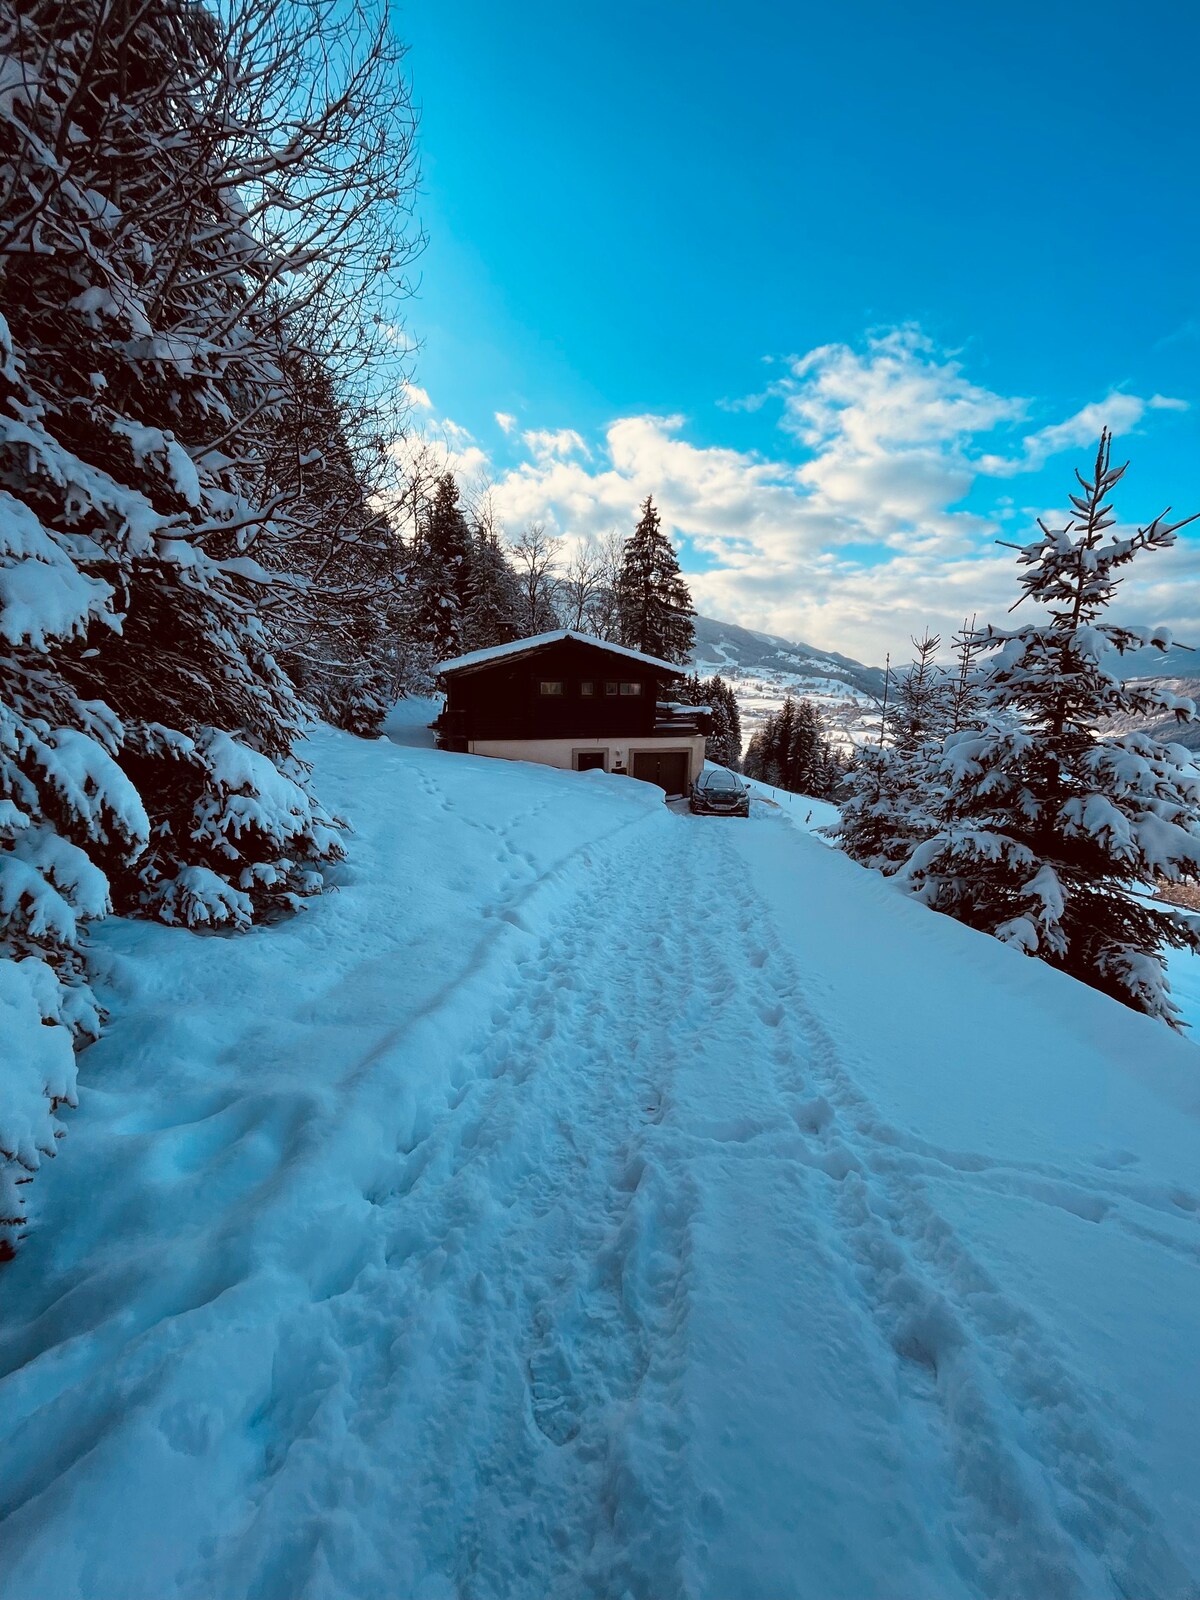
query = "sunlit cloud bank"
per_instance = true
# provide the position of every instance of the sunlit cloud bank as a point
(855, 532)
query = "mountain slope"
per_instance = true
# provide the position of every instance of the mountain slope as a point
(725, 644)
(588, 1200)
(1177, 662)
(764, 670)
(1169, 729)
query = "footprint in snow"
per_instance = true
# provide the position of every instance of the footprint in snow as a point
(555, 1404)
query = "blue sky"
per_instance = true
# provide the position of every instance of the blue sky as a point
(847, 287)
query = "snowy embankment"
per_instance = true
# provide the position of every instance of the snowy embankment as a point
(593, 1200)
(801, 810)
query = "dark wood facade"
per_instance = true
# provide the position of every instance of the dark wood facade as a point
(564, 689)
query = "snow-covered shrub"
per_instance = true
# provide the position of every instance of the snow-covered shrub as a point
(1052, 833)
(65, 806)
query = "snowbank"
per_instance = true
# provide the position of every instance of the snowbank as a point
(800, 810)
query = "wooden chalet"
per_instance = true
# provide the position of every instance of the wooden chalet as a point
(568, 700)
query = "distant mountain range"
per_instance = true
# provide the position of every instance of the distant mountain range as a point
(1173, 663)
(723, 646)
(764, 669)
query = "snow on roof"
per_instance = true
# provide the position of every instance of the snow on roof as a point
(520, 647)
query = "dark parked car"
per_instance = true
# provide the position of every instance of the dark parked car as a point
(717, 792)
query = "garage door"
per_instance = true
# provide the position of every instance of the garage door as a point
(667, 768)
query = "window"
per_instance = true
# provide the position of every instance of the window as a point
(587, 687)
(610, 688)
(631, 688)
(550, 686)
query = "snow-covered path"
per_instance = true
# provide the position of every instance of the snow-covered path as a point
(594, 1201)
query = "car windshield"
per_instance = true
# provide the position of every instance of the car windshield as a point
(723, 782)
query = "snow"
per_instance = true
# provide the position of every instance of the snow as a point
(38, 1065)
(251, 792)
(800, 810)
(587, 1199)
(43, 595)
(146, 441)
(520, 647)
(1183, 970)
(29, 999)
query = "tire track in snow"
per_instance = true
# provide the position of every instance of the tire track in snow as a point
(1047, 1512)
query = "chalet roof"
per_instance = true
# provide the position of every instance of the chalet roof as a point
(524, 647)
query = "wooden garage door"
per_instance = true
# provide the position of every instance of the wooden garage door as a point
(667, 768)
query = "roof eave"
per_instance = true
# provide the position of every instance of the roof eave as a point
(478, 660)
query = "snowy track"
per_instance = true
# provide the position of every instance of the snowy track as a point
(613, 1241)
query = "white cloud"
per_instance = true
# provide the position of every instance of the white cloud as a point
(506, 420)
(426, 453)
(853, 534)
(416, 396)
(885, 433)
(746, 402)
(1119, 413)
(897, 394)
(546, 444)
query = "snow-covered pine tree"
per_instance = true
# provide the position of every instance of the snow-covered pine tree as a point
(808, 756)
(692, 689)
(653, 601)
(778, 736)
(792, 751)
(724, 742)
(753, 761)
(1054, 830)
(894, 792)
(963, 690)
(920, 711)
(493, 596)
(440, 570)
(865, 825)
(151, 207)
(334, 634)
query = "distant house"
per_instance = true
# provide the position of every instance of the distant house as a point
(568, 700)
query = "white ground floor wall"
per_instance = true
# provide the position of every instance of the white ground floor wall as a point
(618, 751)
